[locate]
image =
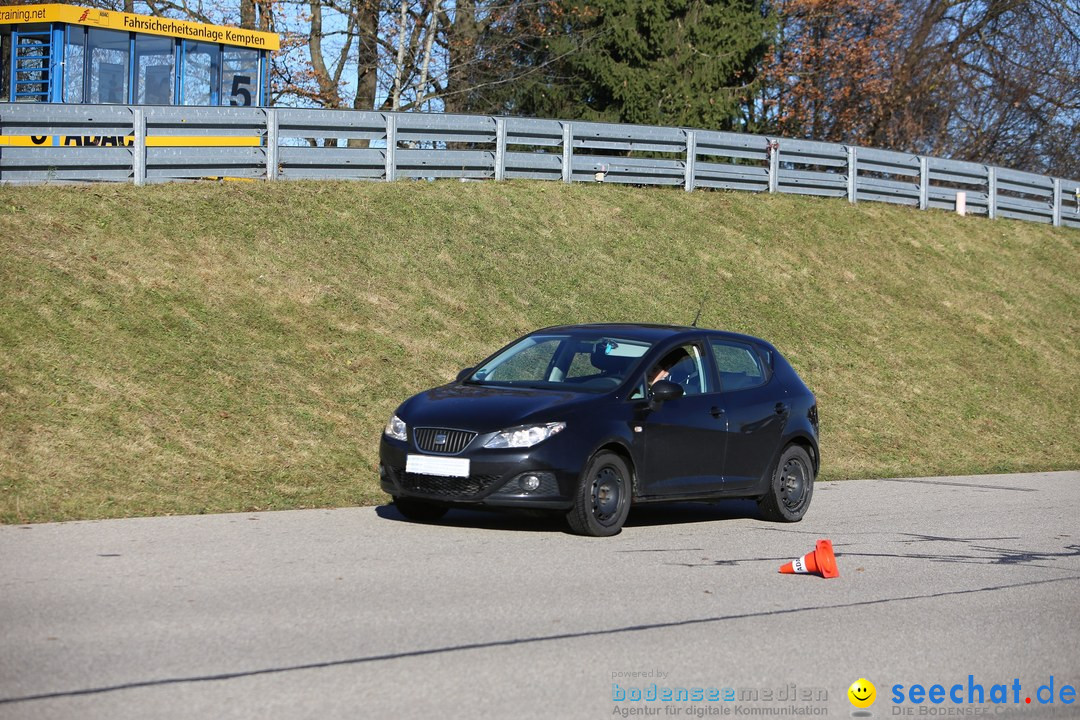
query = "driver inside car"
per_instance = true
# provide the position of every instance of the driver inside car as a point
(677, 366)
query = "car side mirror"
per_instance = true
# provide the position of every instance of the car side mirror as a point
(464, 374)
(664, 390)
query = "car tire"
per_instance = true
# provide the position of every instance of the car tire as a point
(419, 510)
(790, 488)
(602, 500)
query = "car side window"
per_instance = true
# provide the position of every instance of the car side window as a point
(739, 366)
(684, 366)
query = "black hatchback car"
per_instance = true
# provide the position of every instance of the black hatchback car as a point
(587, 419)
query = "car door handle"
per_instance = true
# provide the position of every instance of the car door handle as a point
(781, 408)
(716, 412)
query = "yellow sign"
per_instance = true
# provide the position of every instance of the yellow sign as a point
(126, 141)
(130, 22)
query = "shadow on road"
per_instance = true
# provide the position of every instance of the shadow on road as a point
(540, 521)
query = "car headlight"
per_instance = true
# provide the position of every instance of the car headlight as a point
(526, 436)
(395, 428)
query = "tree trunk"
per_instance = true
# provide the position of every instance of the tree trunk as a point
(367, 65)
(328, 92)
(247, 14)
(462, 38)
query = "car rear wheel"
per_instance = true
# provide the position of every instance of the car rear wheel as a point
(791, 487)
(602, 501)
(419, 510)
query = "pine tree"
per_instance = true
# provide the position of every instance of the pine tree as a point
(666, 62)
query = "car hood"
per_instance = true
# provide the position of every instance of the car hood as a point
(487, 409)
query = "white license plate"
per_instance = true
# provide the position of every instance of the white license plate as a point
(442, 466)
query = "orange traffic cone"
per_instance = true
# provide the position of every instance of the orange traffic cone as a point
(820, 561)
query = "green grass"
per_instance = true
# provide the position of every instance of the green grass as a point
(239, 346)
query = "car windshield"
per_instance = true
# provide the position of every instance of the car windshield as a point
(565, 361)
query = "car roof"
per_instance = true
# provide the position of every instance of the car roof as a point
(652, 333)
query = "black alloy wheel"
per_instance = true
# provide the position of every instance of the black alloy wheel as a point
(602, 501)
(791, 487)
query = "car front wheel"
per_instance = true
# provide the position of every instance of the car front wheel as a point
(791, 487)
(602, 501)
(419, 510)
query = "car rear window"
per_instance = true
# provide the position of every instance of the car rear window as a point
(738, 364)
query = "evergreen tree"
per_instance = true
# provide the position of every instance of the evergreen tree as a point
(656, 62)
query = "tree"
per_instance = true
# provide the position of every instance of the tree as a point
(462, 46)
(829, 72)
(491, 51)
(532, 73)
(666, 62)
(364, 54)
(992, 81)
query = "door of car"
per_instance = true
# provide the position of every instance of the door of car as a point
(682, 439)
(756, 412)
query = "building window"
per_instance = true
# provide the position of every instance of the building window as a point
(75, 64)
(108, 51)
(240, 79)
(202, 68)
(155, 62)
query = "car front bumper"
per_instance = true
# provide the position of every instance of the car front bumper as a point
(494, 478)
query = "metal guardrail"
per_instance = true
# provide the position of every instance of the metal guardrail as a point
(148, 144)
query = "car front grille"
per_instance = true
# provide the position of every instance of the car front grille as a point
(442, 441)
(457, 488)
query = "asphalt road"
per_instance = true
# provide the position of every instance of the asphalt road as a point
(356, 613)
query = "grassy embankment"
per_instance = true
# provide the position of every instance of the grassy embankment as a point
(203, 348)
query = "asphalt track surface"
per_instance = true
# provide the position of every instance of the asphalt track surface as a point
(356, 613)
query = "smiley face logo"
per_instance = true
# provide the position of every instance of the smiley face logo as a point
(862, 693)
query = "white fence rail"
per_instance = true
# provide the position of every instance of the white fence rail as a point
(41, 143)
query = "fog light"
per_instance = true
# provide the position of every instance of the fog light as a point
(529, 483)
(382, 470)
